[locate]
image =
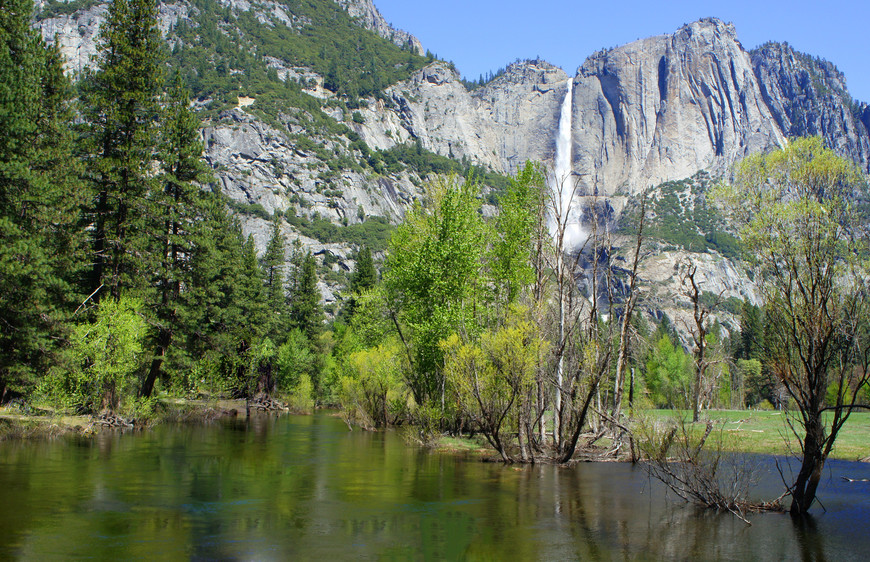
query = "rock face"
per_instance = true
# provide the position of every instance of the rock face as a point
(654, 110)
(664, 107)
(501, 125)
(808, 96)
(370, 18)
(76, 35)
(521, 110)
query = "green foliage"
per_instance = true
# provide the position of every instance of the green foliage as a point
(42, 239)
(301, 399)
(224, 60)
(520, 215)
(273, 269)
(668, 375)
(108, 354)
(412, 156)
(679, 213)
(434, 278)
(490, 378)
(373, 232)
(372, 393)
(120, 105)
(808, 242)
(295, 361)
(305, 311)
(253, 209)
(364, 276)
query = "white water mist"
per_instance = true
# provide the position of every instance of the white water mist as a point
(566, 209)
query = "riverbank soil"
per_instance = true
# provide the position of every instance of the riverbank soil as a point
(36, 422)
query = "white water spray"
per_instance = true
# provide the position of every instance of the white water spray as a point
(566, 211)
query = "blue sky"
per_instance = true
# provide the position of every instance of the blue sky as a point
(484, 35)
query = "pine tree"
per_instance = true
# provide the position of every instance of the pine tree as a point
(39, 227)
(305, 311)
(225, 312)
(273, 266)
(175, 209)
(364, 277)
(120, 107)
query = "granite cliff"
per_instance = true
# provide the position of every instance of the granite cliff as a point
(648, 112)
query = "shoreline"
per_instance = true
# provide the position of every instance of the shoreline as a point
(16, 425)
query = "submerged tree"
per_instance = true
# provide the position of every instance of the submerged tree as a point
(800, 220)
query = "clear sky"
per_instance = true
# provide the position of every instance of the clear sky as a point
(484, 35)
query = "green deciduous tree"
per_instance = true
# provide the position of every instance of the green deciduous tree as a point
(433, 278)
(107, 353)
(799, 219)
(493, 381)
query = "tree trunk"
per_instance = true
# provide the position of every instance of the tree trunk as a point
(804, 491)
(163, 340)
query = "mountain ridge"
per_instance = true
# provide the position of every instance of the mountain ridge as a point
(306, 146)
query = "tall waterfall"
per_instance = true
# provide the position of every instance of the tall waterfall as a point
(565, 210)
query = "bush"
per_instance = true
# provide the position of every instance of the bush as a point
(301, 399)
(108, 354)
(372, 393)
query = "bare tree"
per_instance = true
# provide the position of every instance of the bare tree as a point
(627, 312)
(801, 225)
(699, 330)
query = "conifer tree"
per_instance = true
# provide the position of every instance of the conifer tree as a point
(273, 271)
(39, 228)
(225, 312)
(365, 276)
(175, 209)
(120, 106)
(305, 311)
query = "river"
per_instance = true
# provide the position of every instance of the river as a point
(306, 488)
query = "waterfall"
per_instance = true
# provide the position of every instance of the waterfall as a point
(565, 207)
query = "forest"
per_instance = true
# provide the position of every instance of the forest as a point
(125, 279)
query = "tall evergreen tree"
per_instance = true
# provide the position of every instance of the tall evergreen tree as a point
(176, 209)
(305, 311)
(365, 276)
(225, 312)
(120, 106)
(273, 271)
(39, 231)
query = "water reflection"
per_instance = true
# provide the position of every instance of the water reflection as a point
(306, 487)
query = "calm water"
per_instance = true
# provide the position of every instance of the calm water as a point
(305, 488)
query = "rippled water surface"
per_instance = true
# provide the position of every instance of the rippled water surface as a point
(306, 488)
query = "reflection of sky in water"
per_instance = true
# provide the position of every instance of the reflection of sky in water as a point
(306, 487)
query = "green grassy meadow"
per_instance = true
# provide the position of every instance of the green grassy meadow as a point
(761, 431)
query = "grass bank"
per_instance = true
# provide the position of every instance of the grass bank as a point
(767, 432)
(40, 423)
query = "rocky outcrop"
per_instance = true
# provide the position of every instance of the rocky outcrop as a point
(808, 96)
(665, 107)
(76, 35)
(256, 164)
(500, 125)
(521, 112)
(370, 18)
